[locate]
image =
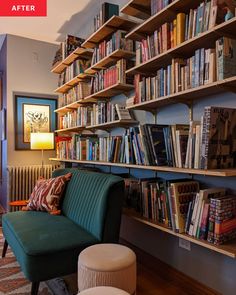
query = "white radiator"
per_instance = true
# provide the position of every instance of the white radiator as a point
(22, 179)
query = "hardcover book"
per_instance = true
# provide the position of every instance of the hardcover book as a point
(219, 138)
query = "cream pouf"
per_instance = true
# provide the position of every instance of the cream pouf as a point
(107, 265)
(103, 291)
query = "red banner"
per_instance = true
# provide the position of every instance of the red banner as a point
(23, 7)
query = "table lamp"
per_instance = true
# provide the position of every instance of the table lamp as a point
(42, 141)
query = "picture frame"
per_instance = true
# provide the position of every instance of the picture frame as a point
(34, 113)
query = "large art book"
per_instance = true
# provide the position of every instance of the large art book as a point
(226, 58)
(219, 138)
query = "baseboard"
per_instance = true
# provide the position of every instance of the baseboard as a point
(167, 272)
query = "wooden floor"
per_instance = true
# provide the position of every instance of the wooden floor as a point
(157, 278)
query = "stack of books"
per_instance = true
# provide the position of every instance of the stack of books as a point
(117, 41)
(106, 12)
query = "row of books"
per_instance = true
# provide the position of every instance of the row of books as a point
(106, 12)
(206, 214)
(78, 92)
(158, 5)
(77, 67)
(106, 78)
(206, 66)
(210, 145)
(117, 41)
(171, 34)
(70, 44)
(100, 113)
(67, 47)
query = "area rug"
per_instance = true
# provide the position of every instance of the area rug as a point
(13, 282)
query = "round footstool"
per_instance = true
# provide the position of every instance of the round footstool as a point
(107, 265)
(103, 291)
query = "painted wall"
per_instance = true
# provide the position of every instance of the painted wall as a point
(3, 70)
(28, 65)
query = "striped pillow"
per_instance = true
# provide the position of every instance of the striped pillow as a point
(47, 193)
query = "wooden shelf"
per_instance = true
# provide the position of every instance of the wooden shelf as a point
(108, 60)
(215, 172)
(185, 49)
(71, 129)
(138, 8)
(113, 24)
(110, 91)
(70, 84)
(110, 125)
(228, 249)
(167, 14)
(188, 95)
(78, 53)
(103, 94)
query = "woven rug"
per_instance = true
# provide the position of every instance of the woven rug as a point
(13, 282)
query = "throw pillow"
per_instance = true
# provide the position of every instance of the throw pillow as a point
(47, 194)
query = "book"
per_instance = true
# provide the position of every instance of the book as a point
(225, 58)
(218, 138)
(182, 193)
(156, 137)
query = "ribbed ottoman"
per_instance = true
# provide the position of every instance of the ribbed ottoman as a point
(103, 291)
(107, 265)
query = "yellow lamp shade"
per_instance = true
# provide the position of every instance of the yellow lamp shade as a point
(42, 141)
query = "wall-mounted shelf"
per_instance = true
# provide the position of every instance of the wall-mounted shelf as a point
(188, 95)
(113, 24)
(110, 91)
(165, 15)
(114, 124)
(185, 49)
(78, 53)
(213, 172)
(93, 98)
(73, 82)
(71, 129)
(108, 60)
(228, 249)
(138, 8)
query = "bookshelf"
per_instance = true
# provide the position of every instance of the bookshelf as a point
(113, 24)
(228, 249)
(103, 94)
(114, 124)
(104, 126)
(138, 8)
(187, 96)
(78, 53)
(108, 60)
(216, 172)
(138, 30)
(165, 15)
(186, 48)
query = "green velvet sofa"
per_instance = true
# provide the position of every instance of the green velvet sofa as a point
(47, 246)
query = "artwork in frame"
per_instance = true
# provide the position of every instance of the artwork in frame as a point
(33, 114)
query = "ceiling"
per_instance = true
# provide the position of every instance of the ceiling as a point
(52, 28)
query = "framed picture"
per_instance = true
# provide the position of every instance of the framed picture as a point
(33, 114)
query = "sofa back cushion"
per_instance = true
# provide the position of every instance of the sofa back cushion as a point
(88, 200)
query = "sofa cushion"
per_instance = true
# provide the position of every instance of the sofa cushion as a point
(47, 193)
(40, 239)
(46, 233)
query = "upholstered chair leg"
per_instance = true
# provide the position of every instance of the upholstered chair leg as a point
(35, 288)
(4, 250)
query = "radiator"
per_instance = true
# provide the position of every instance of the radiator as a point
(22, 179)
